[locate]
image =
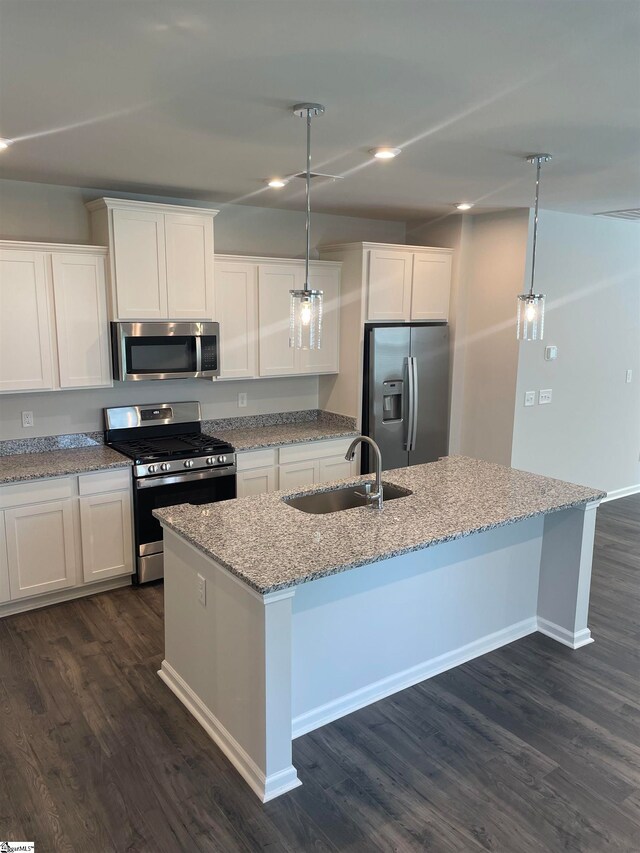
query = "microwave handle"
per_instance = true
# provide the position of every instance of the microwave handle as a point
(198, 354)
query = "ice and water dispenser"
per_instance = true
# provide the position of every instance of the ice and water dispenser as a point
(392, 391)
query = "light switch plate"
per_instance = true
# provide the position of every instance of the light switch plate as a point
(544, 396)
(629, 376)
(550, 353)
(529, 398)
(202, 590)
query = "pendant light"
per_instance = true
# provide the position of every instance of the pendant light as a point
(531, 305)
(305, 329)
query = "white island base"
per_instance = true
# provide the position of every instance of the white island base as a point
(259, 670)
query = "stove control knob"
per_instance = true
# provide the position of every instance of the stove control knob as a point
(211, 460)
(188, 463)
(222, 459)
(152, 469)
(165, 466)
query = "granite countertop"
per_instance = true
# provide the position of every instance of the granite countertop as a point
(276, 435)
(270, 545)
(19, 467)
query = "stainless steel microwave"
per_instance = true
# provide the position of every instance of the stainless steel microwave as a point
(164, 350)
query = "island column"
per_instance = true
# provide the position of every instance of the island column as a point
(228, 660)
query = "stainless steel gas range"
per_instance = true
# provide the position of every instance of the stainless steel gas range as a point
(174, 463)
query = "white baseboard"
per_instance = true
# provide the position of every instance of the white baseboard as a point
(621, 493)
(266, 787)
(344, 705)
(574, 640)
(20, 605)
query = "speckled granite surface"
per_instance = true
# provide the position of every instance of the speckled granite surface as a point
(260, 431)
(270, 546)
(58, 463)
(43, 444)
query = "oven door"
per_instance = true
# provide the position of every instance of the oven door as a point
(195, 487)
(165, 350)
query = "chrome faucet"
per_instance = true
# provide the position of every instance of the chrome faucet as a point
(372, 497)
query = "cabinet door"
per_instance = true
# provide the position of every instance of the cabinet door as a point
(431, 286)
(237, 313)
(140, 265)
(276, 357)
(82, 328)
(325, 359)
(256, 481)
(335, 468)
(25, 341)
(189, 246)
(299, 474)
(107, 546)
(4, 565)
(389, 284)
(40, 548)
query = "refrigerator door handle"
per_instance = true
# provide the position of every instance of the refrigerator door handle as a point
(409, 404)
(414, 396)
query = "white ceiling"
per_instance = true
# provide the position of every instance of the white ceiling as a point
(192, 98)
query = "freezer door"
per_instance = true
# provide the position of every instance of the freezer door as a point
(430, 355)
(388, 393)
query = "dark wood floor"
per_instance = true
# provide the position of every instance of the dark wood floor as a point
(531, 748)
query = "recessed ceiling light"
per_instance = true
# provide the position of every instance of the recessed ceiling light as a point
(4, 143)
(385, 153)
(277, 183)
(464, 205)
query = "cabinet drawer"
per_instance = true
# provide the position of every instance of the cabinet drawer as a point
(315, 450)
(37, 491)
(256, 459)
(104, 481)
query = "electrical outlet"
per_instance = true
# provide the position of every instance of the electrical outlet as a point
(629, 376)
(27, 419)
(202, 590)
(242, 400)
(544, 396)
(529, 398)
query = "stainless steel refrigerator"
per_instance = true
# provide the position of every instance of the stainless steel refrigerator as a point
(406, 393)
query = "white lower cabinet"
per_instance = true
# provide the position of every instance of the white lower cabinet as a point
(60, 535)
(40, 548)
(292, 466)
(105, 526)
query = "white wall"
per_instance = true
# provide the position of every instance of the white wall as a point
(589, 269)
(492, 274)
(30, 211)
(60, 412)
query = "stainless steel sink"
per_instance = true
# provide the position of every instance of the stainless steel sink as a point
(344, 497)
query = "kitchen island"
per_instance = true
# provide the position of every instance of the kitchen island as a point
(278, 621)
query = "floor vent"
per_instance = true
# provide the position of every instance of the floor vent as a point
(633, 213)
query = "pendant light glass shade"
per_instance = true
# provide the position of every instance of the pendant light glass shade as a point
(305, 319)
(530, 316)
(531, 305)
(305, 326)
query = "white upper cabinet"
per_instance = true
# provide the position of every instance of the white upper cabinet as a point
(277, 358)
(389, 284)
(82, 327)
(406, 282)
(431, 286)
(237, 313)
(139, 265)
(161, 259)
(189, 245)
(54, 328)
(26, 362)
(275, 280)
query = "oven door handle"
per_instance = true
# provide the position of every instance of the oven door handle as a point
(170, 479)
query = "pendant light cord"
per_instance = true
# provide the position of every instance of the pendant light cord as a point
(308, 182)
(535, 224)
